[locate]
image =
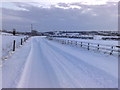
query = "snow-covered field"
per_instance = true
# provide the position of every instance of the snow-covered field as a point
(96, 41)
(42, 63)
(91, 35)
(7, 43)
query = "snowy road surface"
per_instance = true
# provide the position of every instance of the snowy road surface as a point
(41, 63)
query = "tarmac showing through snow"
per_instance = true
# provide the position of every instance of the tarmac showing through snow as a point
(41, 63)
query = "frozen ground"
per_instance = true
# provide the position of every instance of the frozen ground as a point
(41, 63)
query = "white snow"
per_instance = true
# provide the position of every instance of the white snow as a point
(104, 42)
(3, 33)
(7, 43)
(41, 63)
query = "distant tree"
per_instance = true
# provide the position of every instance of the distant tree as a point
(14, 31)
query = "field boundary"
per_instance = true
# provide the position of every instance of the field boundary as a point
(109, 49)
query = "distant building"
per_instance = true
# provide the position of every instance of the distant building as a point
(34, 32)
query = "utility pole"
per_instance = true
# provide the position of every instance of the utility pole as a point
(31, 27)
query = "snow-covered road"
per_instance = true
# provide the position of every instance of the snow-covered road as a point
(41, 63)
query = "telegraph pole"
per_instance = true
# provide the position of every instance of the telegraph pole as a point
(31, 27)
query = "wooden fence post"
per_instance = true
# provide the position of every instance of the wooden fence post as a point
(81, 44)
(88, 46)
(98, 47)
(14, 45)
(21, 41)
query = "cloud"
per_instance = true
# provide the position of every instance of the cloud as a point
(67, 6)
(87, 17)
(63, 1)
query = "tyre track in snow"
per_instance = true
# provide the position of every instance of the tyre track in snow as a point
(45, 60)
(67, 67)
(63, 74)
(37, 72)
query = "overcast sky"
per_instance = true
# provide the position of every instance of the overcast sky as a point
(60, 15)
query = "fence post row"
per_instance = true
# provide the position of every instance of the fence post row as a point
(14, 43)
(82, 44)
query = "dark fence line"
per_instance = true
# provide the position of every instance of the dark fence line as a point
(110, 49)
(74, 37)
(87, 37)
(21, 42)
